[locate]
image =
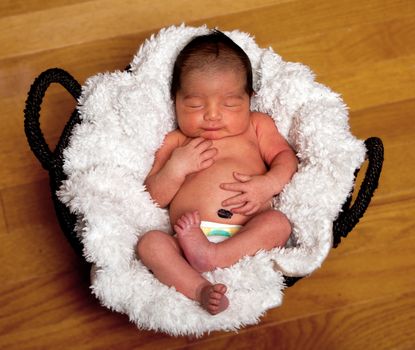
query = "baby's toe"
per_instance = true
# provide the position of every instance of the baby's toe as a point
(213, 309)
(216, 296)
(186, 218)
(180, 223)
(214, 302)
(219, 288)
(196, 218)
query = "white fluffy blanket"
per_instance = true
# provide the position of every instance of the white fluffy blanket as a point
(125, 117)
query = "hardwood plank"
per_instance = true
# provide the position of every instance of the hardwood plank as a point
(65, 313)
(81, 61)
(397, 181)
(361, 326)
(348, 46)
(351, 46)
(361, 85)
(21, 81)
(3, 223)
(33, 244)
(80, 319)
(285, 22)
(361, 277)
(56, 110)
(22, 166)
(383, 224)
(17, 7)
(392, 122)
(365, 86)
(71, 25)
(351, 277)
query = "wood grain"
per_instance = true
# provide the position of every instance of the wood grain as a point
(379, 324)
(363, 297)
(73, 22)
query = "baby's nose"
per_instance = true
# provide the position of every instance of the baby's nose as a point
(213, 113)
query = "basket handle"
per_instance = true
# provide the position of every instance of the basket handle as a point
(350, 216)
(36, 93)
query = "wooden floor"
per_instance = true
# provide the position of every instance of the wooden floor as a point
(364, 295)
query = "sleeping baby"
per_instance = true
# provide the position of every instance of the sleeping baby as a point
(217, 173)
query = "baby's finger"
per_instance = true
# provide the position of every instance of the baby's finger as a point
(209, 153)
(244, 209)
(235, 200)
(234, 187)
(196, 141)
(206, 163)
(204, 145)
(241, 177)
(253, 210)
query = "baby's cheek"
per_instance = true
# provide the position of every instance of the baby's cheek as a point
(240, 125)
(188, 128)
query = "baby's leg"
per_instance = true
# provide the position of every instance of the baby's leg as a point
(161, 253)
(267, 230)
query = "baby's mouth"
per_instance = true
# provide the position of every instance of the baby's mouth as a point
(212, 129)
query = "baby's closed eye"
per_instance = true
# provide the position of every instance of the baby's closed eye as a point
(195, 106)
(194, 103)
(233, 102)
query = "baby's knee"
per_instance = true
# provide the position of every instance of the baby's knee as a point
(149, 244)
(285, 229)
(154, 245)
(282, 225)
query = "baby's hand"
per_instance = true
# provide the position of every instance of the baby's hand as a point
(197, 155)
(254, 193)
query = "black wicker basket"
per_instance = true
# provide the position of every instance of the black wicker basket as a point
(53, 162)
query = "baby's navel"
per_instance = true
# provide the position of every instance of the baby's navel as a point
(224, 214)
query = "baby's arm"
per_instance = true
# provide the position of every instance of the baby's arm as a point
(276, 152)
(255, 191)
(173, 162)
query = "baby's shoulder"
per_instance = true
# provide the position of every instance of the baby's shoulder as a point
(261, 121)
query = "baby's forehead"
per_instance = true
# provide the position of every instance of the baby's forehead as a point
(229, 82)
(212, 72)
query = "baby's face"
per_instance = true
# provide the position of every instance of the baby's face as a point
(213, 104)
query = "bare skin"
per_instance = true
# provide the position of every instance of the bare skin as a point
(204, 256)
(213, 298)
(164, 256)
(222, 156)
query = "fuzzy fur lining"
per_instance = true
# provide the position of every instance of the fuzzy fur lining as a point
(125, 117)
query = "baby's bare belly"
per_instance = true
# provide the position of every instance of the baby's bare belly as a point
(201, 191)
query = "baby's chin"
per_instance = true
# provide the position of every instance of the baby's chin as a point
(212, 137)
(217, 134)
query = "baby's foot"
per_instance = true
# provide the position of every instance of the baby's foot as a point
(213, 299)
(198, 250)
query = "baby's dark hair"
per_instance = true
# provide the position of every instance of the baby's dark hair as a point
(210, 50)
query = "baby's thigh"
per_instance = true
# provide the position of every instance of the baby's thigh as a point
(157, 243)
(271, 223)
